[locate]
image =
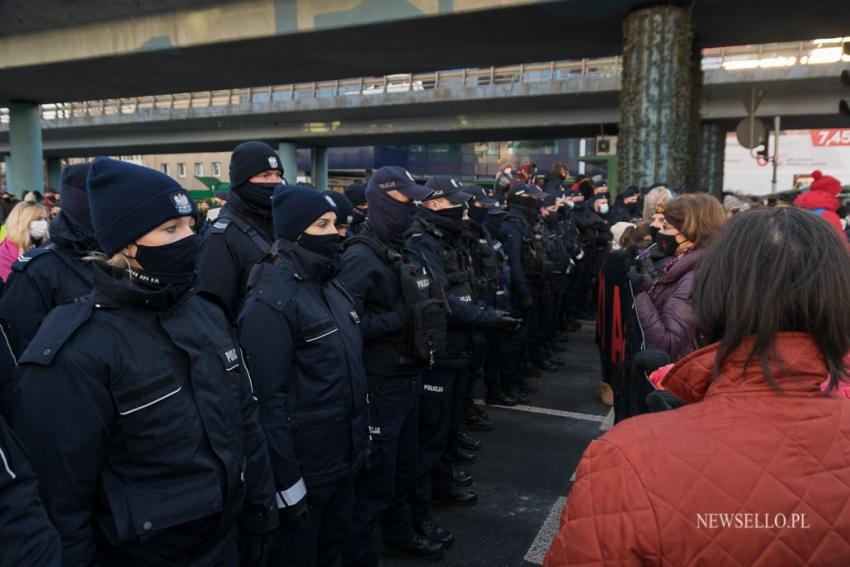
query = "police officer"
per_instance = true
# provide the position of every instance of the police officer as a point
(242, 233)
(26, 535)
(302, 342)
(492, 281)
(54, 274)
(136, 407)
(393, 296)
(356, 193)
(527, 257)
(558, 252)
(344, 212)
(435, 236)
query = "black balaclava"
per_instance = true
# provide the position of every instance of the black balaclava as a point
(478, 214)
(388, 217)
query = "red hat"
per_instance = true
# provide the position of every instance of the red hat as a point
(825, 184)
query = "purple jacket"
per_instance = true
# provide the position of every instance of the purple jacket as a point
(666, 311)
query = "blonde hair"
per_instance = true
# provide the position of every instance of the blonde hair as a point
(651, 201)
(18, 223)
(118, 260)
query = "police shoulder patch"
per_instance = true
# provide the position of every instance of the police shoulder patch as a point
(24, 260)
(220, 225)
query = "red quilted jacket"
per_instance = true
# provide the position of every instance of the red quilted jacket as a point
(711, 483)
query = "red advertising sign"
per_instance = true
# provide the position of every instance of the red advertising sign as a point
(830, 137)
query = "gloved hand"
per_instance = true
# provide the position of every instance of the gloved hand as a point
(254, 549)
(505, 320)
(527, 304)
(638, 280)
(296, 516)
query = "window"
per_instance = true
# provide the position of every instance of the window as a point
(216, 168)
(199, 169)
(181, 170)
(163, 167)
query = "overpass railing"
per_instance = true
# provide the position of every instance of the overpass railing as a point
(728, 58)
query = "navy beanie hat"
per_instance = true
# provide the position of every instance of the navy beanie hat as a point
(74, 196)
(249, 159)
(128, 201)
(295, 207)
(356, 193)
(344, 208)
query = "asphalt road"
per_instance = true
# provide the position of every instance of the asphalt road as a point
(523, 470)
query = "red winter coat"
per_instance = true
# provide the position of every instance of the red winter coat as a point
(656, 489)
(666, 311)
(824, 204)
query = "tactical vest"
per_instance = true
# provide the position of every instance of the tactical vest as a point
(422, 297)
(489, 264)
(458, 264)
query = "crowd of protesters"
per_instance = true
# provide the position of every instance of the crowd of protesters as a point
(275, 377)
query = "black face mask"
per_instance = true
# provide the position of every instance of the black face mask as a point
(327, 245)
(171, 264)
(667, 244)
(453, 213)
(654, 231)
(478, 214)
(258, 195)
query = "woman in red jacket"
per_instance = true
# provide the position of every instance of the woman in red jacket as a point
(665, 308)
(755, 468)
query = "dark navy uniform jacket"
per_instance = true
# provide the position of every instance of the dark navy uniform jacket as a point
(43, 278)
(517, 229)
(466, 314)
(376, 289)
(40, 279)
(233, 243)
(138, 413)
(302, 342)
(26, 535)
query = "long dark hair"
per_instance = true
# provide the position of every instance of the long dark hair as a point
(771, 271)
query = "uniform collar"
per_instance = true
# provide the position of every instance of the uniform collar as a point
(114, 287)
(305, 264)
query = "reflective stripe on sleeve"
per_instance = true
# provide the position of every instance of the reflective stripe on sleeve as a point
(291, 495)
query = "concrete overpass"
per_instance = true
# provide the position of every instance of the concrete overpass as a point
(56, 50)
(532, 102)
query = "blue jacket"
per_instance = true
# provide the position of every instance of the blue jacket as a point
(302, 342)
(138, 413)
(26, 535)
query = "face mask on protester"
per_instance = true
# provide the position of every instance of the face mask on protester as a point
(171, 263)
(39, 229)
(603, 209)
(570, 204)
(327, 245)
(654, 231)
(667, 244)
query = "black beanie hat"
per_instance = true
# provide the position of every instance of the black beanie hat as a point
(295, 207)
(74, 196)
(128, 201)
(356, 193)
(251, 158)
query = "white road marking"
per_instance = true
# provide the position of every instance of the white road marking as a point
(558, 413)
(609, 421)
(546, 534)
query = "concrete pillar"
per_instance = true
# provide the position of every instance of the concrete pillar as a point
(319, 174)
(712, 153)
(7, 161)
(288, 153)
(54, 173)
(656, 102)
(25, 147)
